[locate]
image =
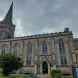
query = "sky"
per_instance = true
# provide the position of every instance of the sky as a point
(42, 16)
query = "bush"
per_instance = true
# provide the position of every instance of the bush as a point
(56, 73)
(9, 63)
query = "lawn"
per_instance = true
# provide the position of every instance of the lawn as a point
(15, 76)
(25, 75)
(2, 76)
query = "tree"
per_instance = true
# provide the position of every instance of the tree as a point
(9, 63)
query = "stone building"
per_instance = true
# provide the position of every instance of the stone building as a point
(42, 52)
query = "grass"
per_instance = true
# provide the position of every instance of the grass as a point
(68, 76)
(15, 76)
(2, 76)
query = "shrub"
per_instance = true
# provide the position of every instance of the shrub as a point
(9, 63)
(55, 73)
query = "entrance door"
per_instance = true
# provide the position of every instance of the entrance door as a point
(45, 68)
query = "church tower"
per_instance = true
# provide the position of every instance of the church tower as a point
(7, 28)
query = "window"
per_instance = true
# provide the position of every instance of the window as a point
(29, 60)
(29, 53)
(44, 48)
(62, 52)
(4, 49)
(16, 49)
(61, 47)
(7, 50)
(63, 60)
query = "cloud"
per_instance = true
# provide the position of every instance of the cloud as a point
(19, 30)
(42, 14)
(39, 16)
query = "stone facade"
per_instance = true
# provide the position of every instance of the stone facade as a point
(75, 53)
(18, 46)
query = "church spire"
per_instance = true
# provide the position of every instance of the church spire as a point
(9, 15)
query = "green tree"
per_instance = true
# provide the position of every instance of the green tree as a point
(9, 63)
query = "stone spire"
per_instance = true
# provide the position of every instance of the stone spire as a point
(9, 15)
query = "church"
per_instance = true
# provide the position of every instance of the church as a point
(41, 52)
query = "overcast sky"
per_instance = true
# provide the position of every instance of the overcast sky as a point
(42, 16)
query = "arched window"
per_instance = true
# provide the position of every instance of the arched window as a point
(44, 48)
(62, 52)
(29, 53)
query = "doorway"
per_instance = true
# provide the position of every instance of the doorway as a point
(44, 67)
